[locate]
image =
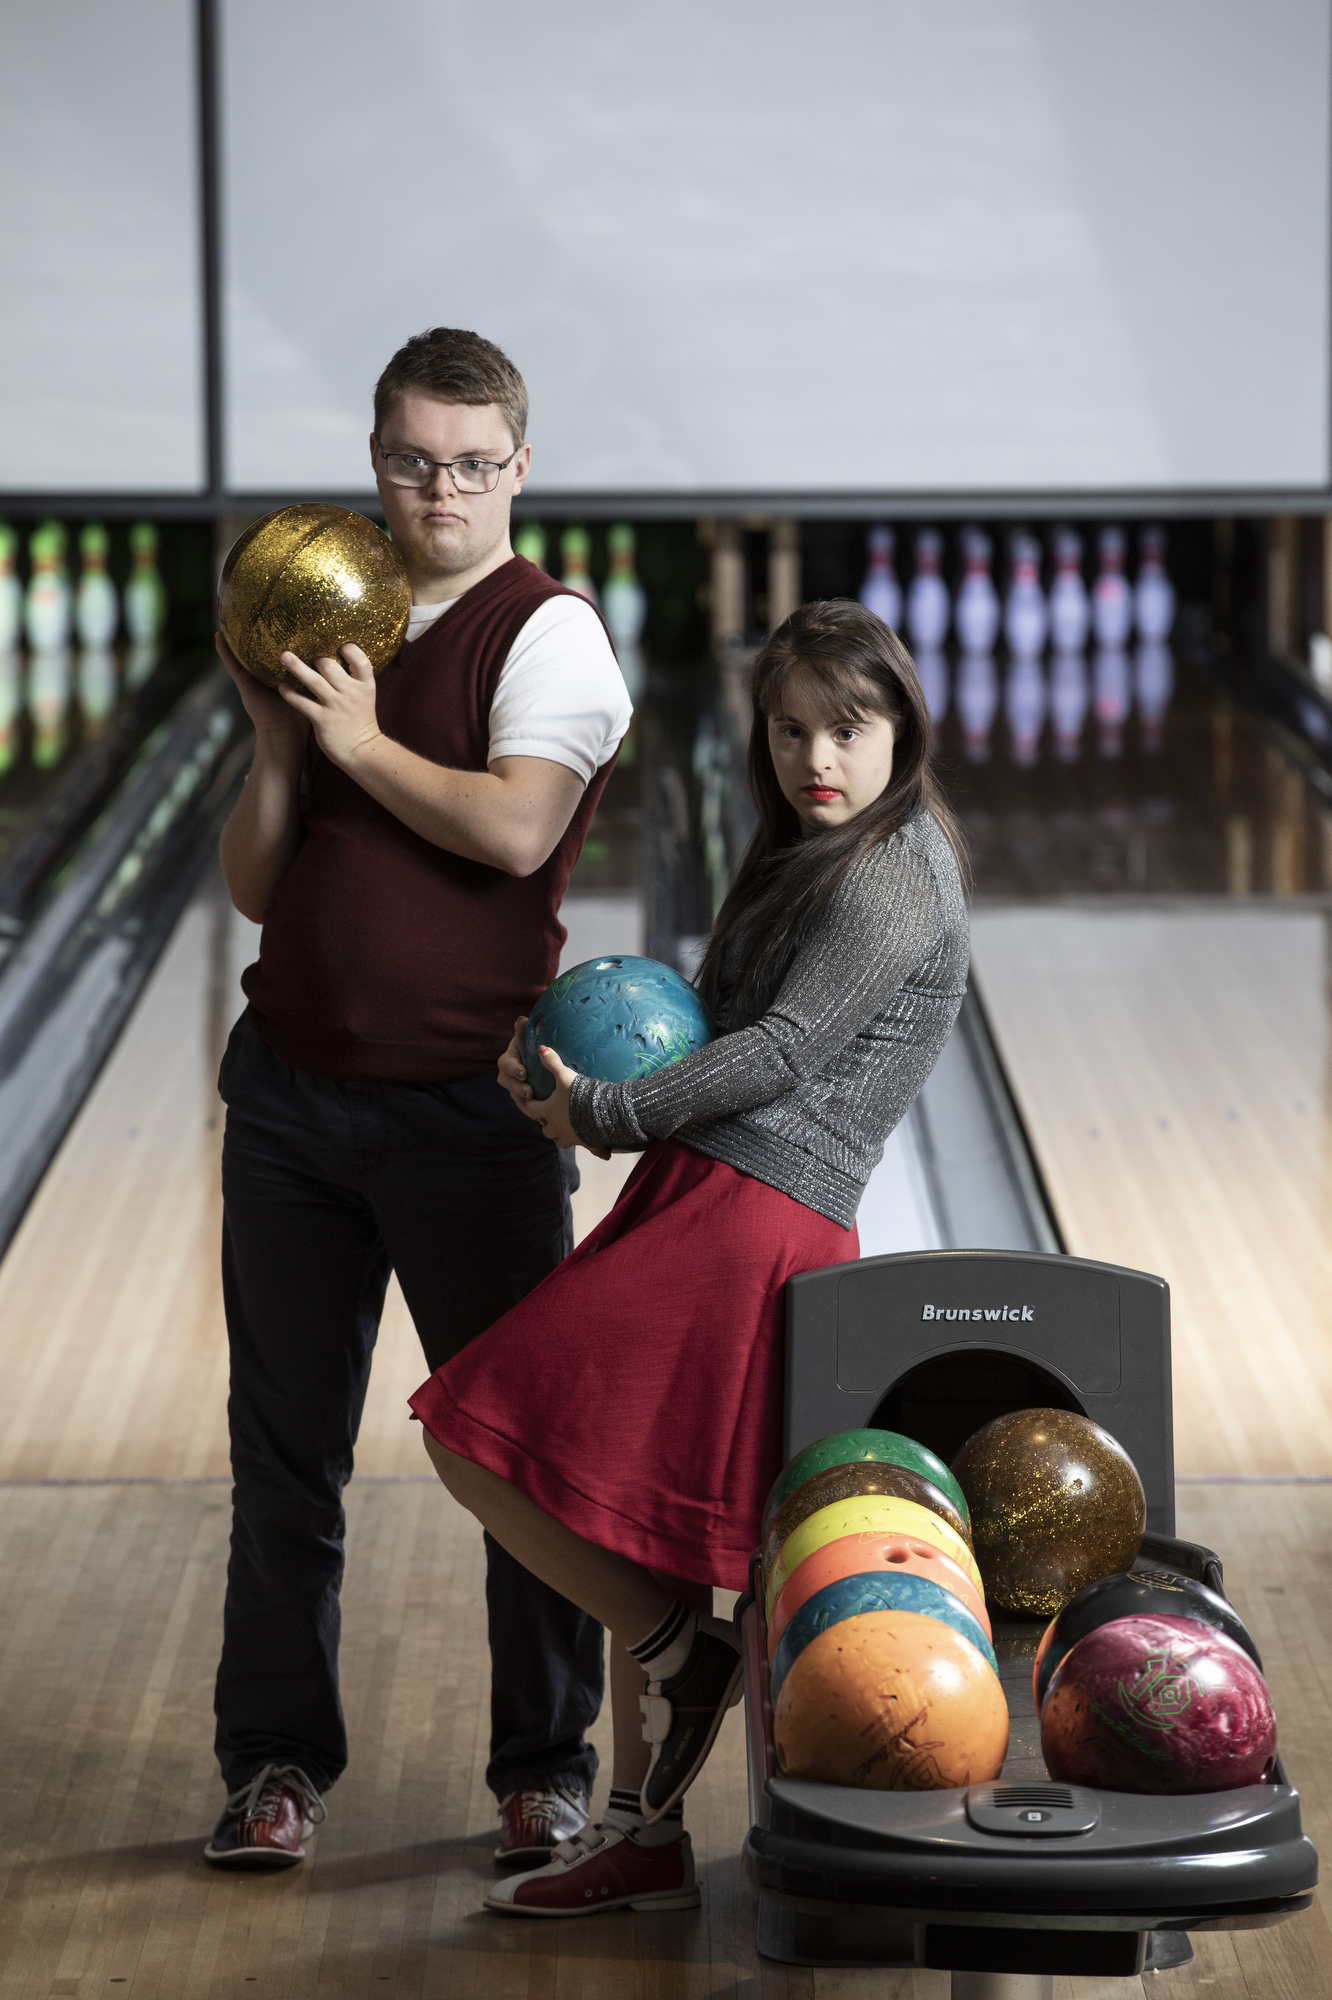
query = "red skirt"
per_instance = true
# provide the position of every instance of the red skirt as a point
(636, 1395)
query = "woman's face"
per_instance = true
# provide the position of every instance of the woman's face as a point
(828, 768)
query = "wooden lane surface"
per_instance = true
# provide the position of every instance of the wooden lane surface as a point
(108, 1786)
(112, 1343)
(1171, 1065)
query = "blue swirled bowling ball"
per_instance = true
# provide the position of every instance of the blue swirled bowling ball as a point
(615, 1019)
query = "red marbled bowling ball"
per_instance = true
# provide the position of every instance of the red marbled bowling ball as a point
(1158, 1704)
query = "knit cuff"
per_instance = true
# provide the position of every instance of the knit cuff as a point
(600, 1116)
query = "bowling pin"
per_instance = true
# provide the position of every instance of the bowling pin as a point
(145, 595)
(932, 666)
(97, 681)
(96, 605)
(1070, 609)
(140, 659)
(1026, 616)
(1068, 704)
(574, 551)
(1024, 706)
(1153, 685)
(1110, 685)
(880, 592)
(46, 600)
(530, 541)
(11, 592)
(48, 705)
(1153, 593)
(1112, 603)
(976, 697)
(976, 613)
(624, 606)
(927, 606)
(11, 706)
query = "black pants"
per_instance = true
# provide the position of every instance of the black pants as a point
(328, 1187)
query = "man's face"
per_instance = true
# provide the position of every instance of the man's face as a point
(440, 531)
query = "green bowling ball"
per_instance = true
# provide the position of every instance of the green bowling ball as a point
(849, 1447)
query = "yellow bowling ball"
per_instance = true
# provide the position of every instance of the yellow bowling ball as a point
(308, 580)
(871, 1514)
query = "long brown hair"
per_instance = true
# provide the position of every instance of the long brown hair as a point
(856, 666)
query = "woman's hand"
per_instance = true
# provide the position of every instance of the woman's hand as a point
(337, 699)
(550, 1113)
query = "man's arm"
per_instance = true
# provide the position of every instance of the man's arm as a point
(260, 839)
(511, 817)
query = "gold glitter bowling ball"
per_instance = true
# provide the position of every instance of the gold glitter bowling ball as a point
(307, 580)
(1055, 1504)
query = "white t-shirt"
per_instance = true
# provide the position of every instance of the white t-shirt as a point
(561, 694)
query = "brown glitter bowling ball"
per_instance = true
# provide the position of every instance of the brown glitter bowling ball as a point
(891, 1701)
(307, 580)
(1055, 1504)
(849, 1482)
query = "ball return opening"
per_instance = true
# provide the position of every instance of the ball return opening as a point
(1008, 1884)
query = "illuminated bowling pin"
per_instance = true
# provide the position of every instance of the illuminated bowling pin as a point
(48, 704)
(11, 706)
(574, 551)
(1154, 593)
(932, 666)
(11, 593)
(1070, 609)
(1153, 685)
(1111, 690)
(1068, 704)
(1112, 602)
(927, 604)
(976, 613)
(97, 685)
(140, 659)
(624, 606)
(1024, 705)
(145, 595)
(46, 600)
(530, 541)
(880, 592)
(976, 698)
(1026, 616)
(96, 605)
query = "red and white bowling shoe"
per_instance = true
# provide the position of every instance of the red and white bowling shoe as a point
(266, 1821)
(602, 1869)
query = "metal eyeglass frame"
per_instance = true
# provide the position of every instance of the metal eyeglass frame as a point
(495, 465)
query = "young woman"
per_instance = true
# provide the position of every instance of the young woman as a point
(618, 1431)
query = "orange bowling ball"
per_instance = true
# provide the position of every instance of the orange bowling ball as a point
(858, 1555)
(891, 1701)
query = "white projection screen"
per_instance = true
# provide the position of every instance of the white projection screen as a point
(877, 247)
(101, 335)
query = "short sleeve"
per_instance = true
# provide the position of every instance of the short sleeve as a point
(561, 694)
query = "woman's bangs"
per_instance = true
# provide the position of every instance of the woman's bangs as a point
(836, 693)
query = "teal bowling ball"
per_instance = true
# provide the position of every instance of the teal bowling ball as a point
(614, 1019)
(877, 1590)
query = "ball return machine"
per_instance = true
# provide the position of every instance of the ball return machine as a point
(1006, 1884)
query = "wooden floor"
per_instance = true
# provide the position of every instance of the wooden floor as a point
(1171, 1063)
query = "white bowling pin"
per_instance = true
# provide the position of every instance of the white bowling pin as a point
(880, 592)
(1153, 685)
(976, 697)
(1026, 617)
(11, 706)
(932, 666)
(46, 600)
(574, 551)
(48, 704)
(976, 613)
(1070, 609)
(145, 594)
(529, 540)
(927, 605)
(97, 681)
(624, 606)
(1024, 705)
(1110, 682)
(96, 604)
(1068, 704)
(11, 592)
(140, 659)
(1154, 593)
(1112, 601)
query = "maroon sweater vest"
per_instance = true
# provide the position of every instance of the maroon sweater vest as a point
(384, 958)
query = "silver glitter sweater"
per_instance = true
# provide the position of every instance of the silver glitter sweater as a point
(804, 1097)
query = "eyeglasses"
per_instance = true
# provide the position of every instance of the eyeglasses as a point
(469, 475)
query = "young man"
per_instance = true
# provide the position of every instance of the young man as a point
(406, 844)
